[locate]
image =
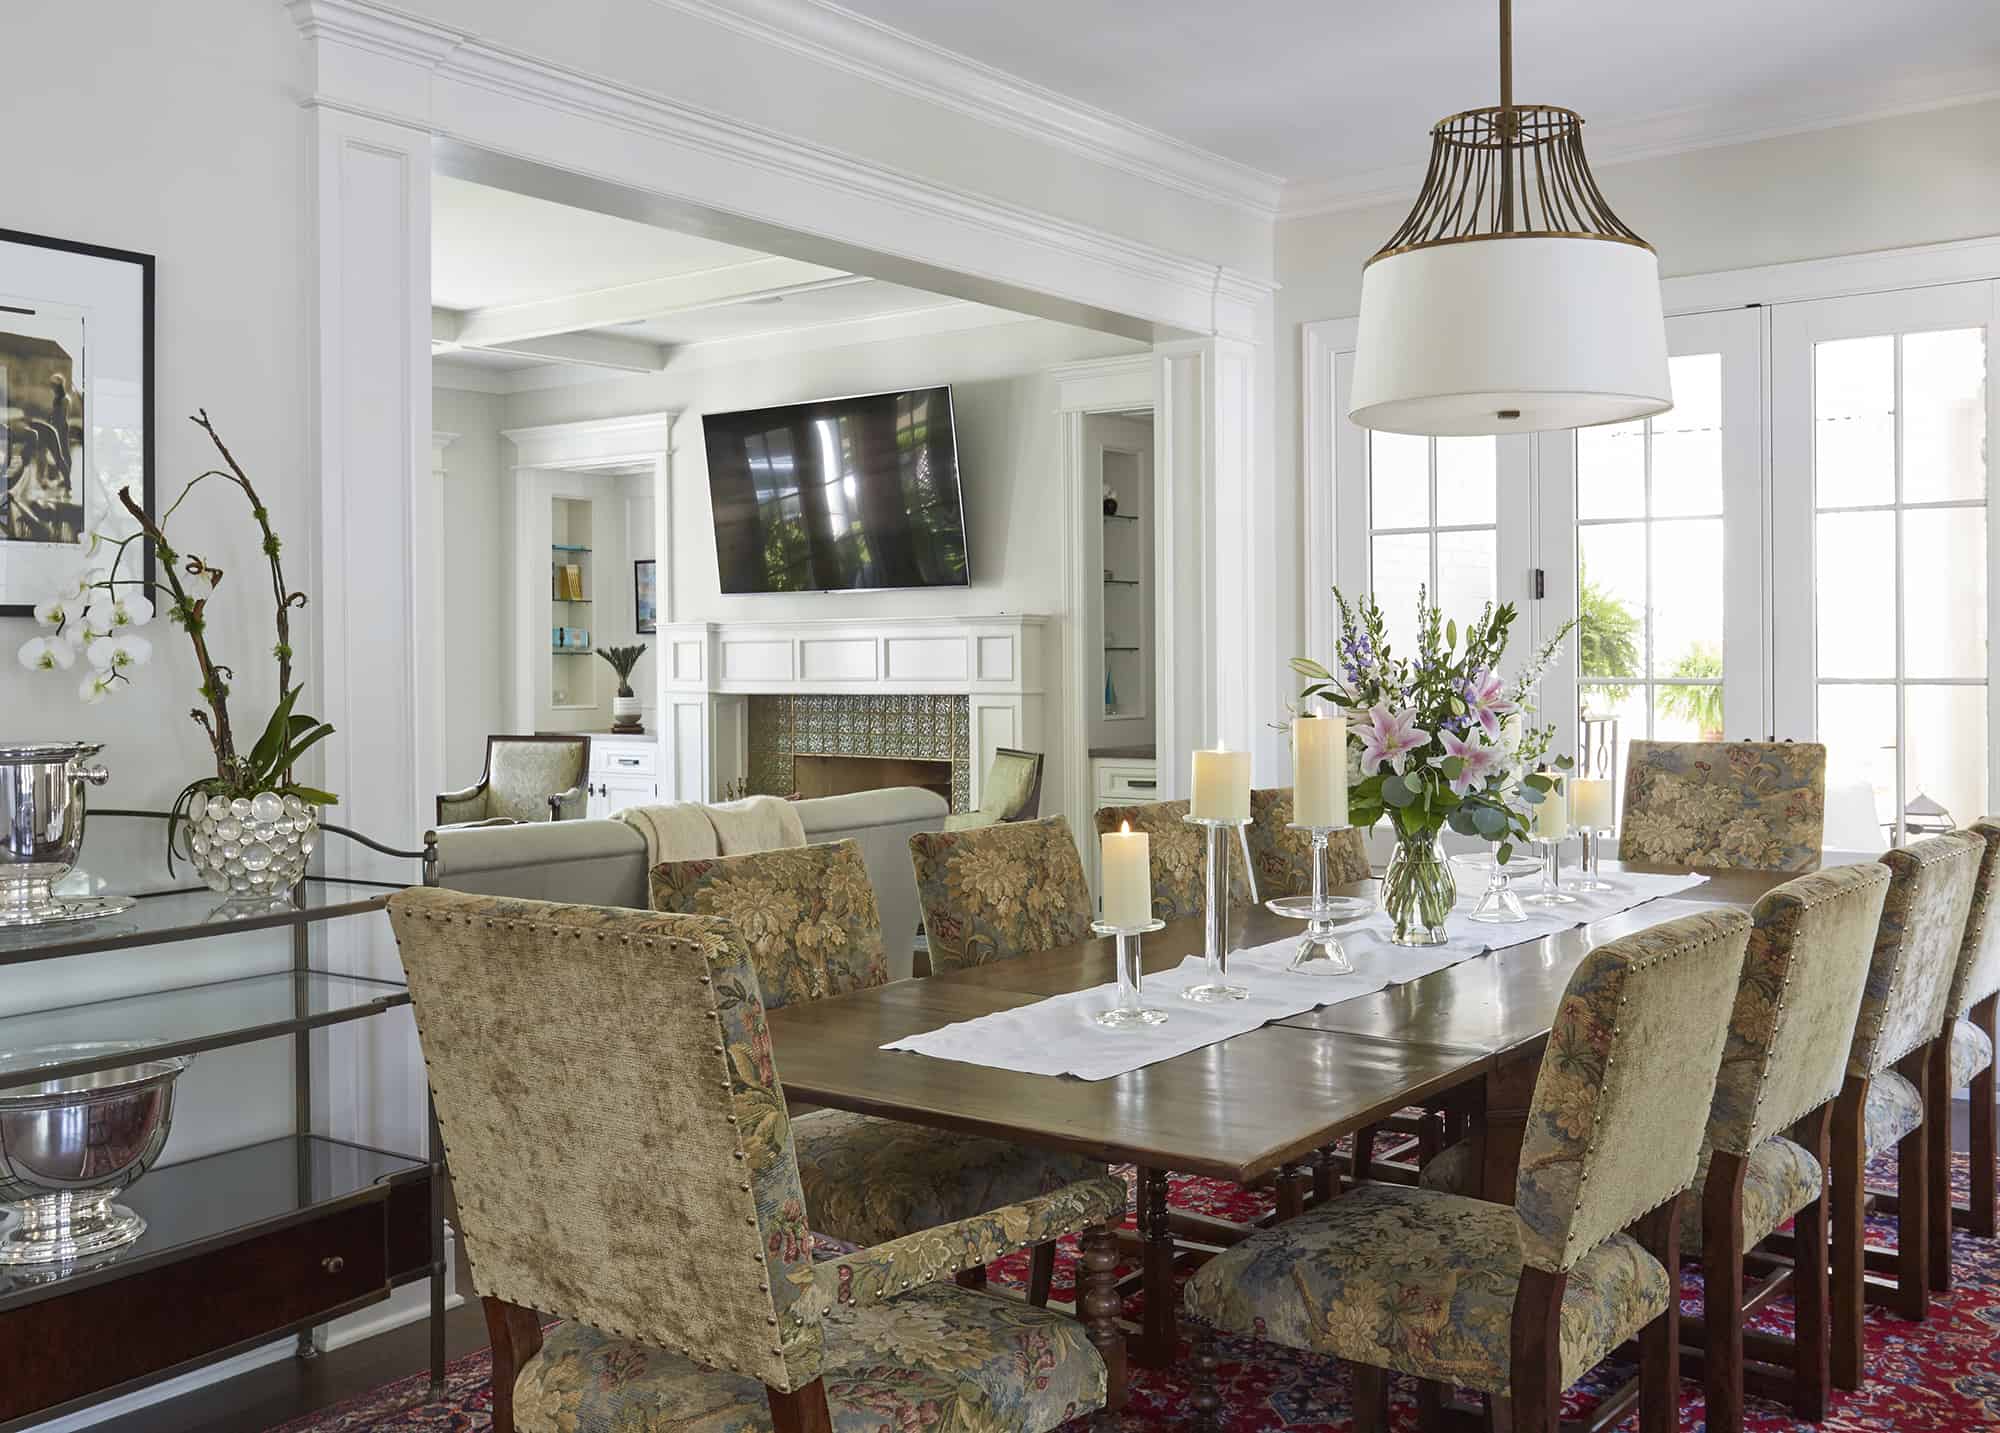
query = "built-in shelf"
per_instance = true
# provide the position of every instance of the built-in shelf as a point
(1121, 582)
(572, 651)
(1121, 517)
(566, 547)
(572, 600)
(1121, 649)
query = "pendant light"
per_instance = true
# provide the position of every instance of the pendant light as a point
(1511, 299)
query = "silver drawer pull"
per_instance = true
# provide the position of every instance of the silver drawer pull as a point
(1143, 785)
(628, 761)
(333, 1263)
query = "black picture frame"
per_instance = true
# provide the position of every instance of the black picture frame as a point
(645, 584)
(148, 415)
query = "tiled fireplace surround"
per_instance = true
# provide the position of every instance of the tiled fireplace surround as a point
(909, 725)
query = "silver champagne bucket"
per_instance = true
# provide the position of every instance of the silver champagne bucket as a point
(69, 1146)
(41, 824)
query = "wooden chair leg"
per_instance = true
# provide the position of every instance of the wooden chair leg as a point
(1205, 1397)
(1913, 1242)
(1363, 1164)
(803, 1410)
(1985, 1148)
(1535, 1352)
(1660, 1340)
(1722, 1291)
(1430, 1406)
(1292, 1179)
(1098, 1302)
(1937, 1161)
(1371, 1398)
(1041, 1275)
(1849, 1252)
(1499, 1413)
(971, 1278)
(516, 1336)
(1160, 1336)
(1325, 1174)
(1809, 1283)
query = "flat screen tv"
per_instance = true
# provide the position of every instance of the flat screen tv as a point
(839, 495)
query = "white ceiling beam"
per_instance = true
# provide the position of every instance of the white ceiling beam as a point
(599, 350)
(628, 303)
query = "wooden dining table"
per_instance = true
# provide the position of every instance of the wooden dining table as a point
(1250, 1106)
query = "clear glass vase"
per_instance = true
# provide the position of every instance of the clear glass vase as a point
(1418, 890)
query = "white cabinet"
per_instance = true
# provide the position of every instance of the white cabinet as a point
(1121, 781)
(624, 771)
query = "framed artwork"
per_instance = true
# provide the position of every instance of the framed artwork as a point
(645, 595)
(76, 407)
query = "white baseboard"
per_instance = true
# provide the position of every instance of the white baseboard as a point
(406, 1305)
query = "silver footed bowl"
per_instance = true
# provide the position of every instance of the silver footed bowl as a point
(41, 824)
(69, 1147)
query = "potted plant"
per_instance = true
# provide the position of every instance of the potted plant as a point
(624, 706)
(249, 828)
(1443, 741)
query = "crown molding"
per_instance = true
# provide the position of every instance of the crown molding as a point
(894, 59)
(1670, 132)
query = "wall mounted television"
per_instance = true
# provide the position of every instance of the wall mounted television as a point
(838, 495)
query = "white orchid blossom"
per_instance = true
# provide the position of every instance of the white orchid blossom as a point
(115, 653)
(96, 687)
(95, 622)
(48, 654)
(52, 611)
(133, 611)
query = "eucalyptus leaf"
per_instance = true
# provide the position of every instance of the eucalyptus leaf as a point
(1396, 792)
(1488, 822)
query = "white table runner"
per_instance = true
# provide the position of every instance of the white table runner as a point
(1058, 1037)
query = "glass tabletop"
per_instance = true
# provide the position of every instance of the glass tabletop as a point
(199, 1017)
(235, 1194)
(186, 915)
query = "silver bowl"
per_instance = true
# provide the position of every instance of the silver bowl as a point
(41, 825)
(69, 1146)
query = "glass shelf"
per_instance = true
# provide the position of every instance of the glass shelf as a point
(561, 547)
(224, 1199)
(194, 1018)
(1121, 582)
(1120, 517)
(1121, 649)
(571, 600)
(571, 651)
(164, 916)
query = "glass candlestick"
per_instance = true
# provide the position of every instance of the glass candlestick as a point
(1129, 1010)
(1319, 952)
(1550, 892)
(1215, 946)
(1497, 905)
(1590, 880)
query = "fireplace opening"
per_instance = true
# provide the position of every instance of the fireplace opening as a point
(822, 775)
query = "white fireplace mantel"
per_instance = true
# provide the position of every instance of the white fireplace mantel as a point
(707, 668)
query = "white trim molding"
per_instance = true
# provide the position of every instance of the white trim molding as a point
(632, 441)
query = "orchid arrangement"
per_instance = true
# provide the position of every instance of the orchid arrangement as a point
(1443, 738)
(97, 615)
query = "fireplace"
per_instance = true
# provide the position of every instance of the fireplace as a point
(830, 744)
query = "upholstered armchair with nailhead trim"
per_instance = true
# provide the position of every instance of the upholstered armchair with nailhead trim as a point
(527, 778)
(617, 1137)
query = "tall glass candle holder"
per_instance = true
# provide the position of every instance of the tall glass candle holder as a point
(1591, 807)
(1130, 1009)
(1550, 891)
(1320, 951)
(1590, 880)
(1215, 984)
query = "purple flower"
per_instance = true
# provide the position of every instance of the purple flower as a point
(1484, 701)
(1481, 762)
(1389, 738)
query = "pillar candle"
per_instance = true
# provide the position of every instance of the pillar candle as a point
(1590, 802)
(1319, 770)
(1550, 820)
(1221, 785)
(1125, 857)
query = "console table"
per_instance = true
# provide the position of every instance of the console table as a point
(246, 1245)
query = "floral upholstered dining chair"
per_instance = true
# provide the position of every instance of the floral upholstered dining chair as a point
(1179, 856)
(527, 778)
(1282, 857)
(1965, 1060)
(1519, 1302)
(807, 917)
(651, 1024)
(1000, 891)
(1711, 805)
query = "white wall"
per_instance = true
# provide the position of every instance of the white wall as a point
(1913, 179)
(477, 563)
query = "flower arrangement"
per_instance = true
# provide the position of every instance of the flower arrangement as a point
(1442, 740)
(97, 617)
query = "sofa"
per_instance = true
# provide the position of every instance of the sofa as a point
(603, 862)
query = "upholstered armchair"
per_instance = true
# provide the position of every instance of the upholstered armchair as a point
(527, 778)
(619, 1145)
(1000, 891)
(1517, 1303)
(808, 919)
(1179, 856)
(1714, 805)
(1012, 791)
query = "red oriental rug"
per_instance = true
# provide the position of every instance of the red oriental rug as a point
(1941, 1376)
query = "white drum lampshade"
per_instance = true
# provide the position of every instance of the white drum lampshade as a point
(1510, 335)
(1511, 299)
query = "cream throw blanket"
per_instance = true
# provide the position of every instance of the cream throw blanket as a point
(689, 831)
(679, 832)
(757, 823)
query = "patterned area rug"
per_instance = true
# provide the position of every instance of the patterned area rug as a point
(1942, 1376)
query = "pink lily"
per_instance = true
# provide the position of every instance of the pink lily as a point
(1484, 701)
(1482, 762)
(1389, 738)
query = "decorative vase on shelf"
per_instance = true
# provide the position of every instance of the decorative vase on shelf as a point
(624, 706)
(625, 713)
(1418, 889)
(1110, 502)
(1110, 692)
(252, 849)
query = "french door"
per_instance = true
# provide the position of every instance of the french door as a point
(1881, 409)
